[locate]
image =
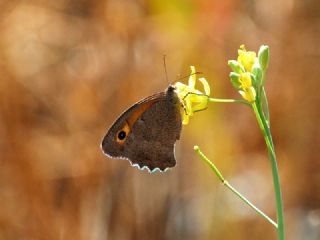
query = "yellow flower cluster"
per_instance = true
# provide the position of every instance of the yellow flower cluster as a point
(242, 77)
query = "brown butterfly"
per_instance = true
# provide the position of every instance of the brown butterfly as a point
(145, 134)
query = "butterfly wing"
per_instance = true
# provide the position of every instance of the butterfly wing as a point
(146, 133)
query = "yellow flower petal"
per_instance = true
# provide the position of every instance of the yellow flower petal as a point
(245, 80)
(196, 98)
(192, 78)
(248, 94)
(200, 106)
(185, 119)
(251, 92)
(205, 86)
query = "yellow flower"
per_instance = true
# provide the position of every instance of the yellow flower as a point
(192, 99)
(245, 80)
(248, 94)
(246, 58)
(247, 91)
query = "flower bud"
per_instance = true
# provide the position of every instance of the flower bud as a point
(235, 66)
(263, 57)
(235, 80)
(257, 73)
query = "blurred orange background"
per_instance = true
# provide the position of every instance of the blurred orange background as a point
(68, 68)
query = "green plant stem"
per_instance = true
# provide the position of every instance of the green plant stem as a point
(266, 108)
(228, 101)
(264, 126)
(226, 183)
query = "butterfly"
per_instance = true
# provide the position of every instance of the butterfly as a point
(145, 134)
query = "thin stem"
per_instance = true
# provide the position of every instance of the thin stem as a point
(227, 184)
(212, 166)
(276, 182)
(265, 123)
(266, 107)
(229, 101)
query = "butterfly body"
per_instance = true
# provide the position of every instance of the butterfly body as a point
(146, 133)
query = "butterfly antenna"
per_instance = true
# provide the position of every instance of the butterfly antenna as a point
(165, 67)
(186, 76)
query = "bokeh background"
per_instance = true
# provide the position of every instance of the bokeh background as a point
(68, 68)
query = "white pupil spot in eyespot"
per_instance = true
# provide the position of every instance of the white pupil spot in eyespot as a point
(122, 135)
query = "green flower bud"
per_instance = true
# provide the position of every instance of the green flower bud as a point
(236, 66)
(257, 74)
(263, 57)
(235, 80)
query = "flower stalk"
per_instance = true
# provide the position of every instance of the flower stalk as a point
(273, 160)
(248, 78)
